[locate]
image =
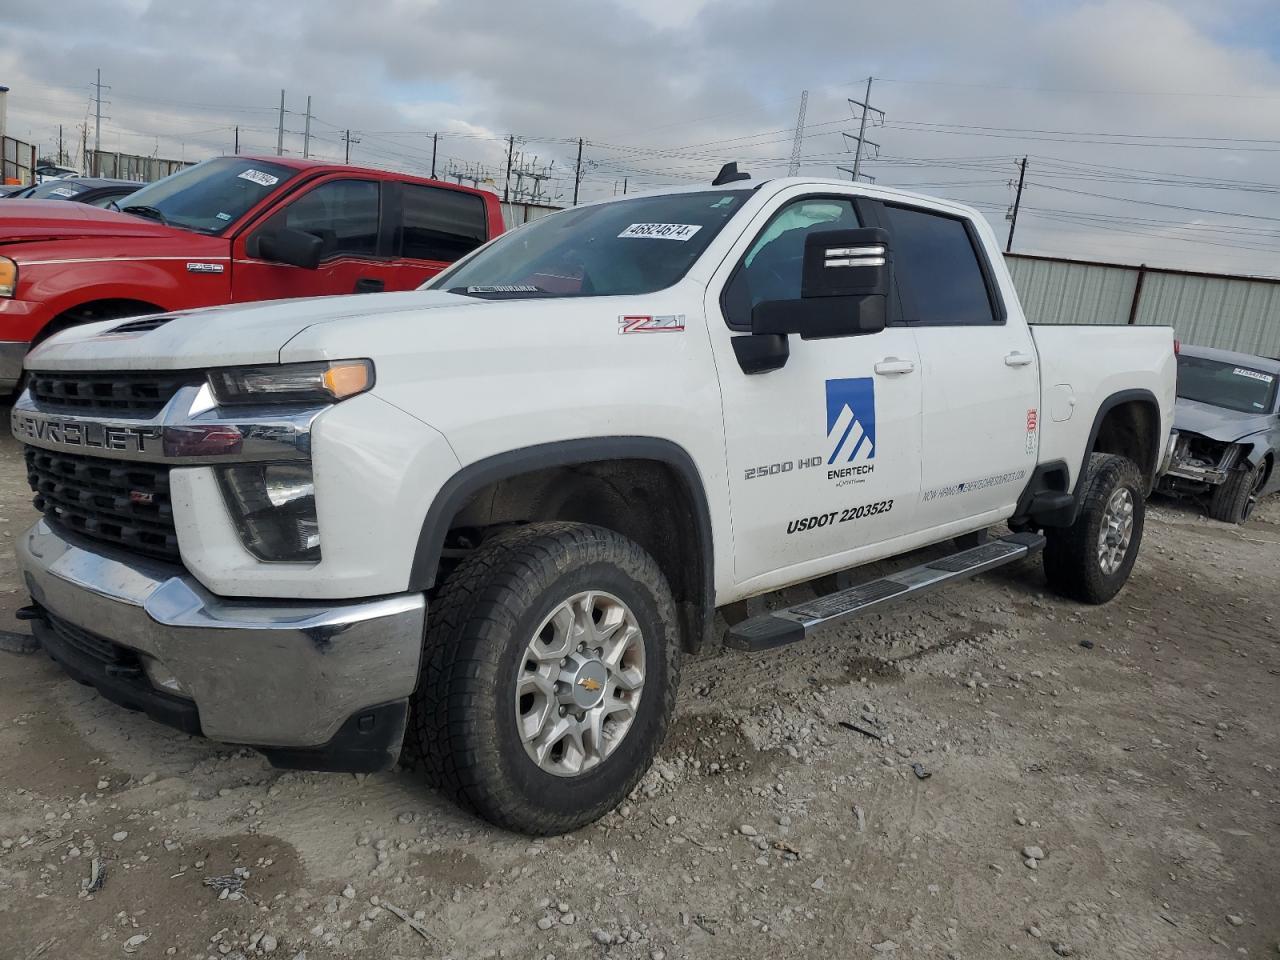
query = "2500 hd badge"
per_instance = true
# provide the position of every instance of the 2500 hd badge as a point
(849, 513)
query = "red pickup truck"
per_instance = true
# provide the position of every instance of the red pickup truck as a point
(227, 230)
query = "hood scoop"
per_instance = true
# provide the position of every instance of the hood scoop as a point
(140, 325)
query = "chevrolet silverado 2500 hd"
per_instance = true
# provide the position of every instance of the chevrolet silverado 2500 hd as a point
(228, 230)
(486, 520)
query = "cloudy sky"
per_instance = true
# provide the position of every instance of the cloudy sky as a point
(1152, 127)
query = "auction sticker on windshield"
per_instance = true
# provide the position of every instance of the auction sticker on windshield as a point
(260, 178)
(1253, 374)
(661, 231)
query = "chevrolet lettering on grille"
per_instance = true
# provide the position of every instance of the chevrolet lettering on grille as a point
(64, 434)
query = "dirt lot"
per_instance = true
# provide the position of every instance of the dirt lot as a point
(1144, 768)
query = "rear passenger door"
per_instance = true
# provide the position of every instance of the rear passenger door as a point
(346, 214)
(979, 368)
(432, 227)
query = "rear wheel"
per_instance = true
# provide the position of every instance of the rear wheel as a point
(1091, 560)
(1233, 501)
(549, 677)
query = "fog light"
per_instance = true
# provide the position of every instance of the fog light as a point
(161, 677)
(274, 508)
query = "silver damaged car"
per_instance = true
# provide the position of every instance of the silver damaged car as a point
(1226, 437)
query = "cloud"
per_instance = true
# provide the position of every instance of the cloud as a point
(1104, 97)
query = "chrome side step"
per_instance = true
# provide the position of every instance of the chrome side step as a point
(780, 627)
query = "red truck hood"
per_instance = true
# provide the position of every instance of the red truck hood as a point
(36, 220)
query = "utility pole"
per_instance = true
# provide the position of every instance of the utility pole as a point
(624, 186)
(280, 129)
(862, 127)
(577, 173)
(506, 189)
(348, 139)
(1017, 202)
(435, 142)
(306, 134)
(794, 166)
(237, 140)
(61, 162)
(97, 124)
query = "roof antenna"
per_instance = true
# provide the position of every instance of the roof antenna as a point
(729, 173)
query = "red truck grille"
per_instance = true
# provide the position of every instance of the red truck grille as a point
(126, 504)
(108, 394)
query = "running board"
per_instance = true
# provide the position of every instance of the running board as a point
(780, 627)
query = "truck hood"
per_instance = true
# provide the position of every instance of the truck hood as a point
(219, 336)
(1216, 423)
(38, 220)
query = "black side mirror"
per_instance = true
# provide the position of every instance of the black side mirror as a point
(297, 248)
(843, 292)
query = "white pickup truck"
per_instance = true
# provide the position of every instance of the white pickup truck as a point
(485, 520)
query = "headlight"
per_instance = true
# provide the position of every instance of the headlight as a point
(274, 508)
(8, 277)
(324, 382)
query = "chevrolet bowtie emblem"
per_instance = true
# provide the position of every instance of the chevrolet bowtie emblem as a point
(588, 684)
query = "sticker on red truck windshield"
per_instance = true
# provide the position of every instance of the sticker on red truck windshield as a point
(661, 231)
(260, 178)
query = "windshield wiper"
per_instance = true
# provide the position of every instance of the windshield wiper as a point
(499, 291)
(142, 210)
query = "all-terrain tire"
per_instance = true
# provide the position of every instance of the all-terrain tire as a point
(463, 728)
(1234, 500)
(1072, 563)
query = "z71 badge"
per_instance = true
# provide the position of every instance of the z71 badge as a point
(670, 323)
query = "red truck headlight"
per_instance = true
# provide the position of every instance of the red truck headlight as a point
(8, 277)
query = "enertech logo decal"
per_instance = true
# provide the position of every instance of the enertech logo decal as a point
(851, 420)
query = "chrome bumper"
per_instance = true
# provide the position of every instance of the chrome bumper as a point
(285, 674)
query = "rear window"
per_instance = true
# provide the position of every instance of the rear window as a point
(440, 224)
(939, 269)
(57, 190)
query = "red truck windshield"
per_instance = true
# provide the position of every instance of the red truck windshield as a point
(208, 197)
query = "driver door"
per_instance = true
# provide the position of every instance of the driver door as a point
(346, 214)
(823, 454)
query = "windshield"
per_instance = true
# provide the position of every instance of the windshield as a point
(1225, 384)
(208, 197)
(622, 247)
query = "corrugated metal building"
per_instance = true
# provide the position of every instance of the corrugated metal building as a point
(1212, 310)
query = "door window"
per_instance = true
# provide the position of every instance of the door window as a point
(938, 269)
(440, 224)
(774, 266)
(342, 213)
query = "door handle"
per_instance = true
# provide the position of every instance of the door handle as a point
(892, 366)
(1018, 359)
(369, 285)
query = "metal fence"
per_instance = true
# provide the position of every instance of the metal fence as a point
(1208, 309)
(129, 166)
(19, 162)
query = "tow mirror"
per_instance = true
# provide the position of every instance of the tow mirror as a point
(844, 288)
(297, 248)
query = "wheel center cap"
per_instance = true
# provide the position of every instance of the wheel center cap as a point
(587, 678)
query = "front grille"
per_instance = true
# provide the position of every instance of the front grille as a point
(121, 660)
(118, 502)
(133, 394)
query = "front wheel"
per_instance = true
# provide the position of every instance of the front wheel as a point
(549, 677)
(1091, 560)
(1234, 500)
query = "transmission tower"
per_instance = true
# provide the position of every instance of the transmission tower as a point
(794, 166)
(861, 139)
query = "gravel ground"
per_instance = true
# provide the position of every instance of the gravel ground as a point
(1099, 782)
